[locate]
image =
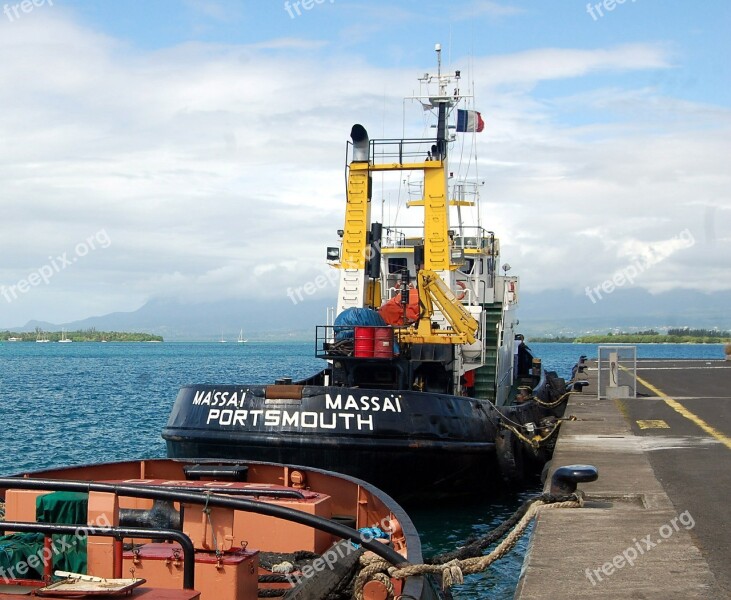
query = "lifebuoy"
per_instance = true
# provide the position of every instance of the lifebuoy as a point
(463, 293)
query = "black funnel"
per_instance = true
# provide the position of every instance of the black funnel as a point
(359, 135)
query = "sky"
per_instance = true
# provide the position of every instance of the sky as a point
(194, 149)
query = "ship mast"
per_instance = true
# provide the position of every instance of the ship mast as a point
(357, 288)
(436, 193)
(442, 107)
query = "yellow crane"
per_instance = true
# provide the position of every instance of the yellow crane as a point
(433, 291)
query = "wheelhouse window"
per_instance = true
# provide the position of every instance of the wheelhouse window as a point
(396, 266)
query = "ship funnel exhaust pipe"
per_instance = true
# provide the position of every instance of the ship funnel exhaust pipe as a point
(360, 143)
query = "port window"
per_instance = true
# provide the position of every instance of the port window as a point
(470, 264)
(397, 266)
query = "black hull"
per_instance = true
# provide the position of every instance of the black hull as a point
(410, 444)
(407, 473)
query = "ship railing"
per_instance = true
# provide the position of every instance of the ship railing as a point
(331, 320)
(473, 237)
(394, 237)
(214, 500)
(466, 295)
(334, 341)
(508, 373)
(483, 336)
(360, 341)
(403, 236)
(470, 298)
(49, 530)
(466, 238)
(397, 151)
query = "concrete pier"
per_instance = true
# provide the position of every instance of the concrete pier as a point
(656, 523)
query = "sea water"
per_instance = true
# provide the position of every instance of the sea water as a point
(81, 403)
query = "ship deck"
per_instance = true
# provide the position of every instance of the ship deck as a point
(661, 500)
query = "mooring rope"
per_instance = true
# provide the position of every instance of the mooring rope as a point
(453, 571)
(533, 443)
(555, 403)
(537, 440)
(475, 545)
(272, 593)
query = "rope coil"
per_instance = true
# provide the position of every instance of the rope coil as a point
(452, 572)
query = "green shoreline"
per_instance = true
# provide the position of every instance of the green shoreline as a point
(684, 335)
(89, 335)
(632, 339)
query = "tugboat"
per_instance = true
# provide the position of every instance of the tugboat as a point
(429, 390)
(216, 530)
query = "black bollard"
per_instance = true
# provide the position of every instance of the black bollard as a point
(565, 479)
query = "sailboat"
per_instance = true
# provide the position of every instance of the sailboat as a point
(241, 339)
(41, 338)
(222, 340)
(64, 339)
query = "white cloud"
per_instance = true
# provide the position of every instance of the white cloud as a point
(209, 8)
(478, 8)
(217, 170)
(536, 65)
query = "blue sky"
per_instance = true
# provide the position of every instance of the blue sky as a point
(205, 136)
(396, 33)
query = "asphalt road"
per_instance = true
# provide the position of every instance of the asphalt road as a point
(685, 426)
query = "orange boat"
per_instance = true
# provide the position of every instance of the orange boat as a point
(181, 530)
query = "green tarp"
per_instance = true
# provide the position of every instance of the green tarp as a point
(16, 551)
(22, 555)
(67, 508)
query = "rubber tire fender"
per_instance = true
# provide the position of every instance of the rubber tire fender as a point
(510, 457)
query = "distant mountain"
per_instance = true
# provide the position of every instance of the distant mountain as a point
(179, 321)
(552, 312)
(560, 311)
